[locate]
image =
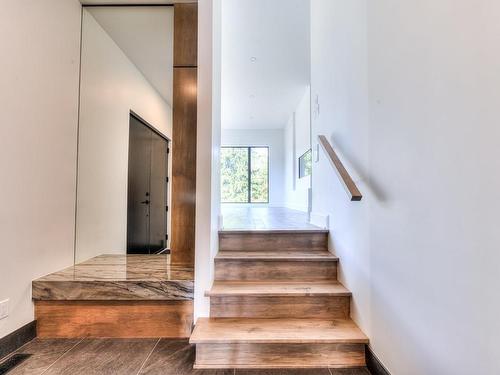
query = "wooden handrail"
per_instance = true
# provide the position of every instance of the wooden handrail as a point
(344, 177)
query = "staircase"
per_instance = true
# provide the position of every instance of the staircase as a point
(276, 303)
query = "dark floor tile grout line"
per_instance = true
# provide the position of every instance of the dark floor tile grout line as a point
(148, 356)
(62, 355)
(7, 356)
(168, 356)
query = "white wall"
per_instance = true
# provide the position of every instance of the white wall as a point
(297, 140)
(111, 86)
(264, 91)
(409, 93)
(39, 94)
(272, 138)
(207, 151)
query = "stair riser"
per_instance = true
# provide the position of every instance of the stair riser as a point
(261, 355)
(319, 307)
(275, 241)
(113, 319)
(228, 269)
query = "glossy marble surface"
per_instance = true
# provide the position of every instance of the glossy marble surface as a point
(263, 217)
(124, 268)
(118, 277)
(132, 357)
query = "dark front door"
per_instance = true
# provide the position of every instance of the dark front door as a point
(147, 190)
(158, 190)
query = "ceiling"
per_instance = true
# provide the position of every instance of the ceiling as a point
(145, 35)
(265, 61)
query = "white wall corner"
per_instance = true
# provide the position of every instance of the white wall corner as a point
(203, 234)
(320, 220)
(221, 221)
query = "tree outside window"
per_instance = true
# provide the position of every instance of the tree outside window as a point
(245, 174)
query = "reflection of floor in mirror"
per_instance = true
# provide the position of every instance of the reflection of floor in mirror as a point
(263, 217)
(145, 356)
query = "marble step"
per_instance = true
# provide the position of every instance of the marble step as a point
(267, 343)
(118, 278)
(323, 299)
(254, 240)
(116, 296)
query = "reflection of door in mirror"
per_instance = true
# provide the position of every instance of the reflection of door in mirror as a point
(147, 190)
(126, 68)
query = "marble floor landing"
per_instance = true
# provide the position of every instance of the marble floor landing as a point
(118, 277)
(263, 218)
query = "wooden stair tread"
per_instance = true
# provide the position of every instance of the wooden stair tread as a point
(273, 231)
(269, 255)
(277, 289)
(276, 331)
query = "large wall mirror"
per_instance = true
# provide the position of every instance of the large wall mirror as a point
(125, 130)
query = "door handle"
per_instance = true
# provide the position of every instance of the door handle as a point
(145, 202)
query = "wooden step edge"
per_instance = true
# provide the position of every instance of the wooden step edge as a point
(197, 366)
(194, 340)
(277, 258)
(342, 292)
(209, 293)
(343, 335)
(273, 231)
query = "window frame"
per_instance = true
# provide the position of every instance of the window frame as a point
(301, 163)
(249, 174)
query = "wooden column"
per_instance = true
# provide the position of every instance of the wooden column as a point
(184, 133)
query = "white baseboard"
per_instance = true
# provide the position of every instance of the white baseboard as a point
(320, 220)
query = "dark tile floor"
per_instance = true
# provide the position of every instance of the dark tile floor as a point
(130, 357)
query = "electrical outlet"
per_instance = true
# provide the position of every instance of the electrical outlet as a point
(4, 308)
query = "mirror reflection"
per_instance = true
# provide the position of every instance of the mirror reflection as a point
(125, 128)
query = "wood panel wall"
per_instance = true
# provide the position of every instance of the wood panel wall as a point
(117, 319)
(184, 133)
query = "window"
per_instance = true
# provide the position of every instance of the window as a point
(245, 175)
(305, 164)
